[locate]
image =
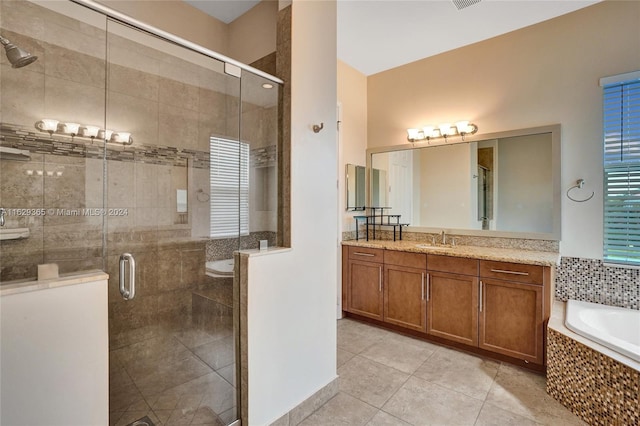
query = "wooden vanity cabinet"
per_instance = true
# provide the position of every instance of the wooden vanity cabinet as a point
(405, 289)
(511, 310)
(363, 283)
(495, 307)
(452, 298)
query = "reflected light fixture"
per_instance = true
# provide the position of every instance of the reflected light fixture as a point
(445, 130)
(83, 130)
(267, 86)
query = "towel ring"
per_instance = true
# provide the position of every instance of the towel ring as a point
(202, 196)
(579, 184)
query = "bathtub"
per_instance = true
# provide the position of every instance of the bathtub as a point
(616, 328)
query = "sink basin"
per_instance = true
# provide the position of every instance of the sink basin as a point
(432, 247)
(13, 233)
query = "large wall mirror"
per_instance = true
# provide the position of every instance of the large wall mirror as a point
(500, 184)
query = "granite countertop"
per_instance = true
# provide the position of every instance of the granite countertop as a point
(25, 286)
(529, 257)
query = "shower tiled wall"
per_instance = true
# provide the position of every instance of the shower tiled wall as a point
(170, 105)
(590, 280)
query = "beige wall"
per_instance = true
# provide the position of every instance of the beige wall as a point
(288, 361)
(253, 35)
(248, 38)
(544, 74)
(179, 18)
(352, 97)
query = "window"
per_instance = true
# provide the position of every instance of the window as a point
(622, 169)
(229, 181)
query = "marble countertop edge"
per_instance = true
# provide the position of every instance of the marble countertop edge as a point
(541, 258)
(24, 286)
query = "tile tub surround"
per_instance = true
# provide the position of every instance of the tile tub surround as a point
(590, 280)
(389, 379)
(585, 377)
(484, 253)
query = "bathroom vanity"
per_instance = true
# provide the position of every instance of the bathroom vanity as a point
(491, 301)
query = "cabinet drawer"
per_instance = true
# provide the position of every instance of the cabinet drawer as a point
(401, 258)
(456, 265)
(366, 254)
(531, 274)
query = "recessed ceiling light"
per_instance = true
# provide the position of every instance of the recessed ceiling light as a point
(267, 86)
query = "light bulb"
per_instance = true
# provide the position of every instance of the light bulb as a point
(90, 131)
(445, 129)
(47, 125)
(105, 134)
(122, 137)
(413, 134)
(428, 131)
(71, 128)
(463, 126)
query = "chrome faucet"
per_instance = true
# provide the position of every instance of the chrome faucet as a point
(2, 212)
(444, 237)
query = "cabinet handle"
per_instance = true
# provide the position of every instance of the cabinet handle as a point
(502, 271)
(481, 285)
(422, 286)
(357, 253)
(380, 278)
(428, 285)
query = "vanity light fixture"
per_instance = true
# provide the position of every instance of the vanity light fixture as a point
(83, 130)
(445, 130)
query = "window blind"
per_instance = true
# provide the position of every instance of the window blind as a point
(621, 127)
(229, 186)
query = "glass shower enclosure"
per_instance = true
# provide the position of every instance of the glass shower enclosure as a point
(129, 153)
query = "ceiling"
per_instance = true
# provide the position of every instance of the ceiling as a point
(377, 35)
(224, 10)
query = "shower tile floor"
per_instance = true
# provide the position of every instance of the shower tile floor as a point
(174, 375)
(389, 379)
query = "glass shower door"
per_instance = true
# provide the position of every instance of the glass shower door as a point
(172, 345)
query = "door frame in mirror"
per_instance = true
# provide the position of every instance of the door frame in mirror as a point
(556, 167)
(353, 175)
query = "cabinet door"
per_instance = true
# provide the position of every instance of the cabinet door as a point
(364, 289)
(452, 307)
(404, 297)
(511, 319)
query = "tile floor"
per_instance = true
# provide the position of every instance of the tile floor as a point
(389, 379)
(175, 375)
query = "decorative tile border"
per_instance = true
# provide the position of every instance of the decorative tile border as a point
(19, 137)
(590, 280)
(263, 157)
(36, 142)
(593, 386)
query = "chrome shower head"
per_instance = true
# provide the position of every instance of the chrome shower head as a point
(17, 56)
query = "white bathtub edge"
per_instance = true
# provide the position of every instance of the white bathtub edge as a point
(556, 323)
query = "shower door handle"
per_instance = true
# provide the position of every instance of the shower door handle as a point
(129, 293)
